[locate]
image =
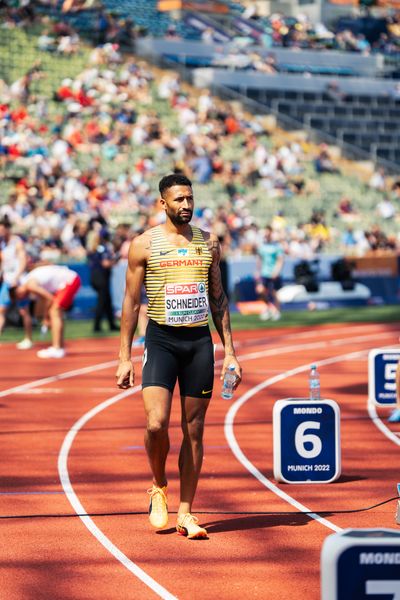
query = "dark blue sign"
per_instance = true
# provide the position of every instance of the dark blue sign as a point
(308, 444)
(383, 376)
(370, 571)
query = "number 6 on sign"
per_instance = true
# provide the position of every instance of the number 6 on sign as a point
(306, 440)
(301, 439)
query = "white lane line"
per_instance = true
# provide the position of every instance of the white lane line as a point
(80, 510)
(242, 458)
(63, 466)
(38, 382)
(380, 425)
(347, 329)
(309, 346)
(63, 457)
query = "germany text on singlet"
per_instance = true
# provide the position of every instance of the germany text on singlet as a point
(176, 281)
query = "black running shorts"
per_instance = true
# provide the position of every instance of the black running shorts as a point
(185, 354)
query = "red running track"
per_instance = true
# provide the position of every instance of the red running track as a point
(72, 443)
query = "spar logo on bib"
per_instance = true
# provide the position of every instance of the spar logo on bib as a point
(182, 288)
(185, 303)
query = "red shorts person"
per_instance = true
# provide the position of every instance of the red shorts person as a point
(57, 286)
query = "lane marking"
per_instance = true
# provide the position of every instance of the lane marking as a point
(392, 436)
(28, 493)
(63, 466)
(80, 510)
(64, 451)
(309, 346)
(242, 458)
(67, 374)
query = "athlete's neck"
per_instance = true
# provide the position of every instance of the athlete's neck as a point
(175, 232)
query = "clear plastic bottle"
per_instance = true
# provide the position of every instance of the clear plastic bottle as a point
(314, 384)
(228, 383)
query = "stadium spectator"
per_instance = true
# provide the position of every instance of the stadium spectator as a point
(323, 162)
(346, 210)
(386, 209)
(377, 180)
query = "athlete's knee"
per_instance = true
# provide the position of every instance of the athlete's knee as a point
(157, 426)
(194, 428)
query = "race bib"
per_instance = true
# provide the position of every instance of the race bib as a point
(185, 303)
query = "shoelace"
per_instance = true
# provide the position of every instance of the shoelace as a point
(187, 520)
(154, 491)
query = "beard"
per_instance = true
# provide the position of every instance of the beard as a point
(181, 219)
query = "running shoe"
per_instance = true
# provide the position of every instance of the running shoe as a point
(158, 509)
(187, 524)
(275, 316)
(395, 416)
(264, 316)
(25, 344)
(51, 352)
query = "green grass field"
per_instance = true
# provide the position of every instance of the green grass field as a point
(380, 314)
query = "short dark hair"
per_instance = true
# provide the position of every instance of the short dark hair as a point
(171, 180)
(5, 221)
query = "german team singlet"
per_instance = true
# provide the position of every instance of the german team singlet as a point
(176, 281)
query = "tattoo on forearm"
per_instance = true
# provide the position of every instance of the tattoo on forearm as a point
(219, 300)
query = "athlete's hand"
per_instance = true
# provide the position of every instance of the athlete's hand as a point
(260, 289)
(228, 361)
(125, 374)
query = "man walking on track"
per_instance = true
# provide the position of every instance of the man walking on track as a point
(179, 265)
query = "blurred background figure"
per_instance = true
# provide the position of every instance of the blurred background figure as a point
(270, 258)
(13, 263)
(101, 258)
(57, 287)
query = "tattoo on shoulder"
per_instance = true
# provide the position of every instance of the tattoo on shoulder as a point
(213, 246)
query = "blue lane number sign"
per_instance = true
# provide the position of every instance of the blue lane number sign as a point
(358, 564)
(306, 441)
(382, 364)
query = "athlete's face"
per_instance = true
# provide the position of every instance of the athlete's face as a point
(178, 204)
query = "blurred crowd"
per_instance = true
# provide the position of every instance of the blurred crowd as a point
(275, 30)
(92, 157)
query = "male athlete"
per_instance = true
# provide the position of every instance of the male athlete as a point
(179, 266)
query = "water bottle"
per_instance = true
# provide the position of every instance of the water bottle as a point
(314, 383)
(228, 383)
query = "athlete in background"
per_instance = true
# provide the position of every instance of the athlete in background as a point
(13, 263)
(179, 265)
(57, 286)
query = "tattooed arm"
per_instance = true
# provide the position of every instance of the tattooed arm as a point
(219, 307)
(139, 252)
